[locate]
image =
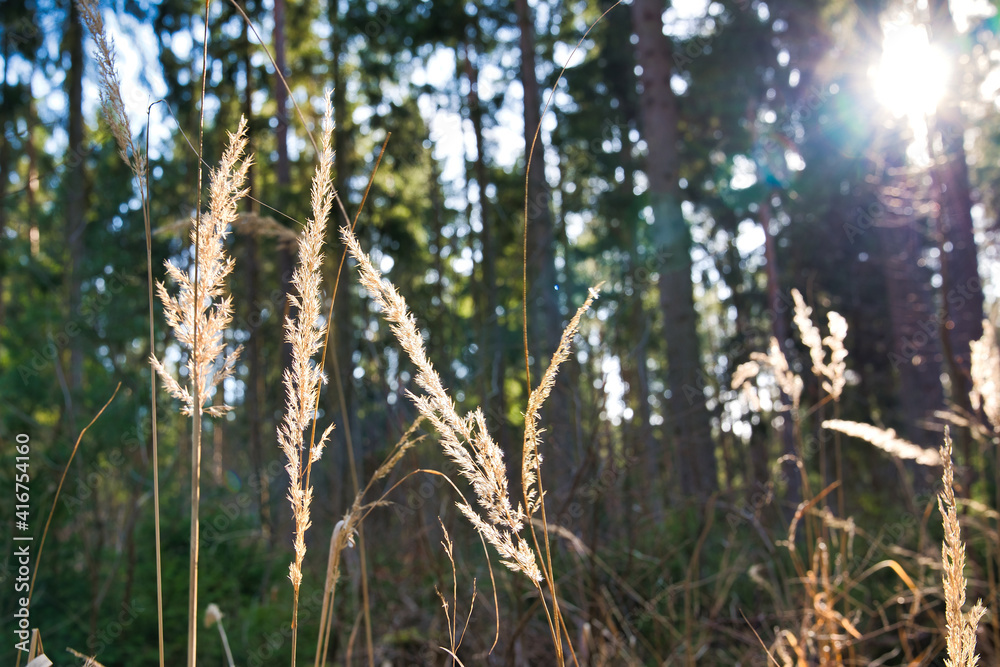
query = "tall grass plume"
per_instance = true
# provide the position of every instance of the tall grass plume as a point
(304, 378)
(961, 626)
(466, 440)
(198, 316)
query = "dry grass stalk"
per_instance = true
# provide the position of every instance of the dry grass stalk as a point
(886, 440)
(118, 121)
(961, 626)
(465, 440)
(833, 373)
(455, 638)
(248, 224)
(213, 616)
(344, 532)
(788, 382)
(110, 87)
(304, 378)
(199, 322)
(531, 460)
(89, 661)
(199, 315)
(469, 445)
(985, 392)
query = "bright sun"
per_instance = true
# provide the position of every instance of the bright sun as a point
(911, 78)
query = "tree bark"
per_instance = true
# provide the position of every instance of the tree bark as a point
(619, 67)
(916, 355)
(281, 519)
(688, 426)
(282, 170)
(343, 329)
(255, 382)
(491, 337)
(75, 189)
(962, 288)
(31, 187)
(779, 329)
(543, 305)
(5, 161)
(544, 317)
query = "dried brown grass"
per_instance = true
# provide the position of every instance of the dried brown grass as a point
(198, 316)
(469, 445)
(886, 440)
(832, 372)
(304, 378)
(962, 626)
(118, 120)
(202, 309)
(345, 531)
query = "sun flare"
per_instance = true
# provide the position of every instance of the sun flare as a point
(911, 77)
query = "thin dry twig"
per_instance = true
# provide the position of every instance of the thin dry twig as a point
(55, 500)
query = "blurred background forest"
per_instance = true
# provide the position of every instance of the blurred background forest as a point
(700, 158)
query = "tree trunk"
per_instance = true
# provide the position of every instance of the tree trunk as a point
(688, 426)
(491, 337)
(342, 337)
(619, 66)
(282, 170)
(286, 257)
(75, 189)
(916, 355)
(6, 158)
(779, 329)
(255, 381)
(962, 289)
(31, 187)
(544, 317)
(543, 306)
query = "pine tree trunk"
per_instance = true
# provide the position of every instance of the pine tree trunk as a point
(619, 66)
(688, 426)
(779, 329)
(492, 334)
(286, 260)
(544, 317)
(5, 162)
(31, 187)
(342, 337)
(962, 288)
(75, 189)
(543, 305)
(916, 355)
(255, 383)
(282, 168)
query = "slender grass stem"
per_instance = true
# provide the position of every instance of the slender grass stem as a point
(146, 196)
(195, 388)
